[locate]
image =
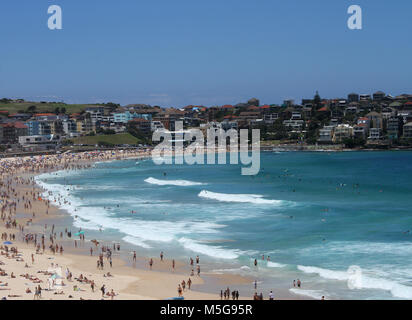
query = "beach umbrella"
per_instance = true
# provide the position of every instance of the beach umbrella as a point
(7, 242)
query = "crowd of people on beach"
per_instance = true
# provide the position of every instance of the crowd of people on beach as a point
(20, 200)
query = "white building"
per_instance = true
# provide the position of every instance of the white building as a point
(375, 133)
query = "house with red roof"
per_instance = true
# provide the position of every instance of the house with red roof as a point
(407, 105)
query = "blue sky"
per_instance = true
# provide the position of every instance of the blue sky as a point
(174, 53)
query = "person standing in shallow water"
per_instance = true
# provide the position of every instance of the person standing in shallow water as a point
(161, 256)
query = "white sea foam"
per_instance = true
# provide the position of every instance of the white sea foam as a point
(272, 264)
(325, 273)
(242, 198)
(85, 224)
(315, 294)
(211, 251)
(106, 161)
(136, 241)
(396, 289)
(403, 248)
(139, 232)
(180, 183)
(241, 270)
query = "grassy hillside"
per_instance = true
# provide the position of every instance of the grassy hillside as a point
(41, 107)
(114, 139)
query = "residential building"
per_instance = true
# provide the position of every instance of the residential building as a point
(289, 103)
(351, 109)
(96, 113)
(294, 125)
(396, 105)
(228, 125)
(342, 131)
(69, 127)
(156, 125)
(296, 116)
(360, 131)
(407, 130)
(375, 119)
(364, 121)
(334, 122)
(394, 127)
(38, 128)
(388, 112)
(125, 117)
(271, 117)
(84, 125)
(326, 134)
(353, 97)
(143, 125)
(37, 143)
(20, 116)
(379, 96)
(375, 133)
(246, 115)
(12, 131)
(49, 117)
(364, 97)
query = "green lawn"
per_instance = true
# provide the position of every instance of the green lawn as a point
(115, 139)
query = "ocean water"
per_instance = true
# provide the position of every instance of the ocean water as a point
(315, 214)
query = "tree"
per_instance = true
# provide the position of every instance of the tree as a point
(31, 109)
(145, 138)
(108, 131)
(5, 100)
(353, 142)
(105, 144)
(112, 106)
(316, 103)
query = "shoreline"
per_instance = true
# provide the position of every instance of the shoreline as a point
(135, 282)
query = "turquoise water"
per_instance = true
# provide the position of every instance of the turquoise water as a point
(315, 215)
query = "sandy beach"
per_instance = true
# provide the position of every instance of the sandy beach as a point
(64, 263)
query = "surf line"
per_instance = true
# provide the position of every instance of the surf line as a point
(190, 147)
